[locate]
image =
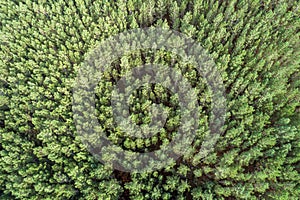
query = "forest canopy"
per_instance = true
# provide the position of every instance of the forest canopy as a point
(255, 48)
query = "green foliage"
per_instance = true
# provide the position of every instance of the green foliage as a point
(255, 45)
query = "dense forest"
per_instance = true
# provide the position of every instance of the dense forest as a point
(254, 45)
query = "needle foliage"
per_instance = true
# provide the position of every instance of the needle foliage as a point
(255, 45)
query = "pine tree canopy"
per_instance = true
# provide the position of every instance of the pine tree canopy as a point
(254, 46)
